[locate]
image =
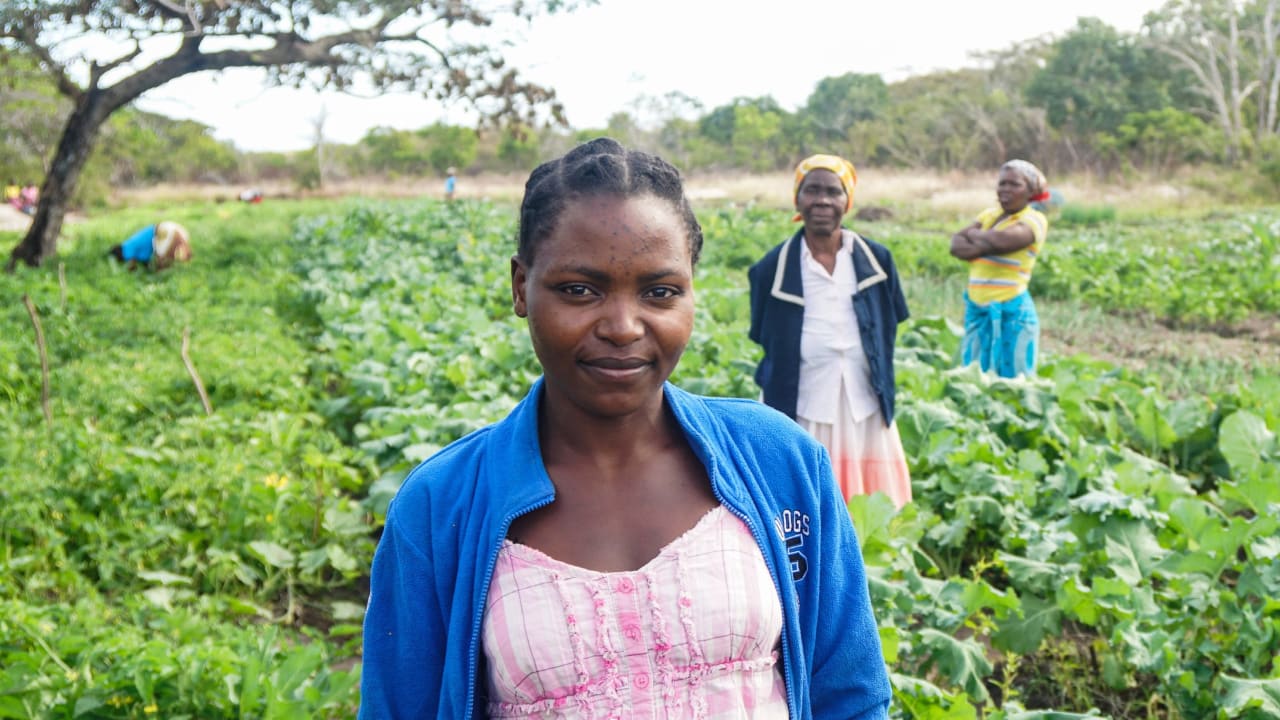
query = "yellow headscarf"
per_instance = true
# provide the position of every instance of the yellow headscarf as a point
(836, 164)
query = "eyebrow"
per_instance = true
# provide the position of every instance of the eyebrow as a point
(604, 277)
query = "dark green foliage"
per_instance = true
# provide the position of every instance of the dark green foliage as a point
(1095, 75)
(154, 557)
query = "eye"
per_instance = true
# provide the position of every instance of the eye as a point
(663, 292)
(575, 289)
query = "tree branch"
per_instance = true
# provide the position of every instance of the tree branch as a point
(65, 85)
(96, 71)
(169, 9)
(289, 49)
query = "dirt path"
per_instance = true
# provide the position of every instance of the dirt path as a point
(1143, 344)
(13, 220)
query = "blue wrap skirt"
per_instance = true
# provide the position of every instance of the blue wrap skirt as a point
(1001, 336)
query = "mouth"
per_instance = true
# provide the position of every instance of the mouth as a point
(613, 368)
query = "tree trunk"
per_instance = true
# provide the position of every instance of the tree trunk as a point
(78, 138)
(1270, 75)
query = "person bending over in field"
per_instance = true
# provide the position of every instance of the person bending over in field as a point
(826, 305)
(617, 547)
(157, 246)
(1001, 328)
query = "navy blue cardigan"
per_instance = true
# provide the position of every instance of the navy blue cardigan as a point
(777, 316)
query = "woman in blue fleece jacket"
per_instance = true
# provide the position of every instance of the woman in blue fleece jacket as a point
(617, 547)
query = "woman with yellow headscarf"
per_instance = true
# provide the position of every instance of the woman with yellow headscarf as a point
(825, 305)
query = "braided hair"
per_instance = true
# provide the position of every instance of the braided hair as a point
(599, 167)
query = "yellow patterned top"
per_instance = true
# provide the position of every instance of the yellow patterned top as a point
(997, 278)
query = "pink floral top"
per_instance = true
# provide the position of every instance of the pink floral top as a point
(692, 634)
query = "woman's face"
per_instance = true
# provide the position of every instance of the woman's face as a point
(609, 299)
(1012, 190)
(821, 202)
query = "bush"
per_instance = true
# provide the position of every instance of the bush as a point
(1086, 215)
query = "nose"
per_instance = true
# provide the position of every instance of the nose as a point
(620, 323)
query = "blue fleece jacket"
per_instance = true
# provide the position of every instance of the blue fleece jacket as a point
(777, 318)
(422, 643)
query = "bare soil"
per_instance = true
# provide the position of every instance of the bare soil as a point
(14, 220)
(1141, 343)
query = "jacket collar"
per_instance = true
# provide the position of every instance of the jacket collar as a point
(514, 467)
(788, 285)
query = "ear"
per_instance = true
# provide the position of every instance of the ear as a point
(519, 278)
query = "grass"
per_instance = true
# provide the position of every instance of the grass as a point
(132, 502)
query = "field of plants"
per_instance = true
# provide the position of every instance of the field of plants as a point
(1100, 541)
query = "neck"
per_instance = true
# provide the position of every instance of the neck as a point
(569, 435)
(824, 242)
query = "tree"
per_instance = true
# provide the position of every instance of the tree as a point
(1265, 21)
(718, 125)
(839, 102)
(1160, 139)
(755, 137)
(1205, 37)
(518, 148)
(1095, 75)
(27, 105)
(927, 123)
(416, 45)
(397, 152)
(450, 146)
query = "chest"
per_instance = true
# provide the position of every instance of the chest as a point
(693, 633)
(617, 519)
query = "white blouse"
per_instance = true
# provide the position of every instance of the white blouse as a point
(831, 351)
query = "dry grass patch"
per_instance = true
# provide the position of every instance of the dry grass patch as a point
(917, 192)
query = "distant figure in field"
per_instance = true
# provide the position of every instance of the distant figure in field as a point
(12, 191)
(825, 306)
(451, 184)
(1001, 328)
(252, 196)
(29, 198)
(158, 246)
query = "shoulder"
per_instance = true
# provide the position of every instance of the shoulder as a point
(879, 250)
(769, 262)
(437, 482)
(747, 426)
(1035, 219)
(1031, 214)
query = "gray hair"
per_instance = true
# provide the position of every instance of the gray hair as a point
(1035, 179)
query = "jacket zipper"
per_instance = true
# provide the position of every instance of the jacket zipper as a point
(788, 676)
(473, 653)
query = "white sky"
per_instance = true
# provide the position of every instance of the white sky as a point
(602, 58)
